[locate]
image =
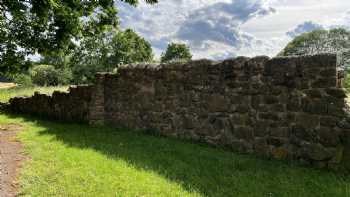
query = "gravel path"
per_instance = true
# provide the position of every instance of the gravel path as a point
(10, 159)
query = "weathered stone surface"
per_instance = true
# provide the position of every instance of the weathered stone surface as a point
(244, 132)
(314, 106)
(317, 152)
(217, 103)
(314, 93)
(67, 106)
(308, 121)
(328, 136)
(329, 121)
(302, 133)
(336, 92)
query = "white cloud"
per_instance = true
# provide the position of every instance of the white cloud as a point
(225, 28)
(220, 22)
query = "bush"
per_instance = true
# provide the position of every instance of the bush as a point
(48, 75)
(65, 76)
(23, 80)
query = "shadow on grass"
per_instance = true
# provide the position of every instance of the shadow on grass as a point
(209, 171)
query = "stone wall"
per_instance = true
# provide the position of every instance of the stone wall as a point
(66, 106)
(284, 108)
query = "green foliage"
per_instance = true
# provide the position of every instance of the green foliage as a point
(65, 76)
(49, 26)
(44, 75)
(57, 59)
(176, 52)
(48, 75)
(128, 47)
(104, 51)
(23, 80)
(46, 25)
(12, 60)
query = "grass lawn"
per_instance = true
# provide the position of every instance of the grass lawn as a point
(77, 160)
(6, 94)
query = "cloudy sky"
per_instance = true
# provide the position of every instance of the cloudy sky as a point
(218, 29)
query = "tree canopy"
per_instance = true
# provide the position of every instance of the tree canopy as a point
(321, 41)
(175, 52)
(105, 51)
(46, 26)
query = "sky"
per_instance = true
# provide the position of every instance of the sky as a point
(220, 29)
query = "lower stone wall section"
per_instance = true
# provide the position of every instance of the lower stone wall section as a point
(72, 106)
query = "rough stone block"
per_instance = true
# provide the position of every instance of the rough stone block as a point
(325, 83)
(314, 106)
(328, 136)
(336, 92)
(307, 121)
(269, 116)
(303, 134)
(217, 103)
(244, 132)
(317, 152)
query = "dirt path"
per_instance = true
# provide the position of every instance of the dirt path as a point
(10, 159)
(7, 85)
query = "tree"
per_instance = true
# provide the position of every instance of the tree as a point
(176, 52)
(48, 75)
(11, 60)
(321, 41)
(45, 26)
(103, 52)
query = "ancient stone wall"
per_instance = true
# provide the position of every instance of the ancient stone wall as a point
(66, 106)
(285, 108)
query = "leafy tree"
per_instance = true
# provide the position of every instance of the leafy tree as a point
(11, 59)
(128, 47)
(48, 75)
(46, 26)
(103, 52)
(321, 41)
(176, 52)
(59, 59)
(23, 80)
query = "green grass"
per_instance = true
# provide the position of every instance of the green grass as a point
(77, 160)
(6, 94)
